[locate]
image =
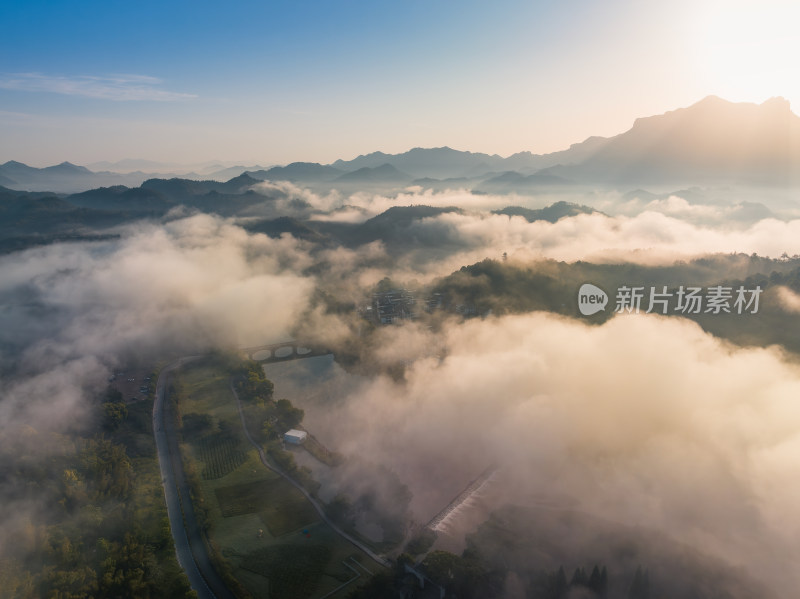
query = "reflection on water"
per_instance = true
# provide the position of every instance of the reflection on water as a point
(284, 352)
(318, 385)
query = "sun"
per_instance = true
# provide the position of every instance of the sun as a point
(747, 51)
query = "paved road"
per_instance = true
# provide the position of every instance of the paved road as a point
(189, 543)
(378, 558)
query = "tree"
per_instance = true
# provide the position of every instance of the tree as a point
(443, 568)
(464, 576)
(107, 468)
(579, 578)
(640, 587)
(385, 285)
(380, 586)
(561, 585)
(252, 384)
(196, 424)
(288, 416)
(594, 579)
(603, 590)
(598, 581)
(283, 459)
(340, 511)
(423, 541)
(114, 414)
(269, 430)
(552, 585)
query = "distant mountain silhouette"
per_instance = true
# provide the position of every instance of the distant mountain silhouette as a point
(386, 173)
(67, 169)
(64, 177)
(29, 219)
(178, 189)
(70, 178)
(131, 164)
(181, 189)
(155, 197)
(22, 173)
(121, 198)
(284, 224)
(551, 214)
(711, 142)
(446, 163)
(402, 216)
(298, 171)
(438, 163)
(396, 228)
(512, 181)
(225, 173)
(19, 202)
(576, 153)
(61, 178)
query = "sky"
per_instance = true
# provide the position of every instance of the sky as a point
(275, 82)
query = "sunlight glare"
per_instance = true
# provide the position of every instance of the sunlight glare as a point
(748, 51)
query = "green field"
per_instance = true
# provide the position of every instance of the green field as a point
(267, 531)
(280, 506)
(221, 455)
(287, 567)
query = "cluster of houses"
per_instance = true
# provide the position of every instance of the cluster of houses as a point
(389, 307)
(396, 305)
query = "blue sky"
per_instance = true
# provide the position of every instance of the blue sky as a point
(281, 81)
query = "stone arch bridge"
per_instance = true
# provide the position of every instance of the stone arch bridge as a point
(281, 352)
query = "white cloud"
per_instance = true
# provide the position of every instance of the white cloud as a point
(644, 421)
(110, 87)
(788, 299)
(198, 281)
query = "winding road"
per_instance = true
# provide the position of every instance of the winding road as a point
(190, 545)
(317, 506)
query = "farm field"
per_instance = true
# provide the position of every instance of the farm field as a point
(273, 540)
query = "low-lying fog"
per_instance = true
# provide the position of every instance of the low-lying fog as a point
(643, 421)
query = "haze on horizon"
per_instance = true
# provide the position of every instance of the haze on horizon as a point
(277, 83)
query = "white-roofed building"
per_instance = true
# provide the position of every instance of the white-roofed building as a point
(295, 436)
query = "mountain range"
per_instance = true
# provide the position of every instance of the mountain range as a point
(709, 143)
(28, 219)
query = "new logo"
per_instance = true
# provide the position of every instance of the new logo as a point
(591, 299)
